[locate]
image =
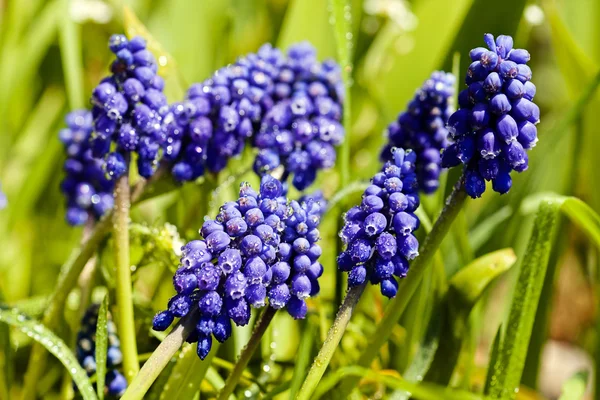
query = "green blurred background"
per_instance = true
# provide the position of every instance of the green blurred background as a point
(54, 52)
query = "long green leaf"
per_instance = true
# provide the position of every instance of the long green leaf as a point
(424, 391)
(303, 358)
(101, 346)
(54, 345)
(69, 35)
(574, 388)
(465, 289)
(493, 358)
(508, 368)
(187, 374)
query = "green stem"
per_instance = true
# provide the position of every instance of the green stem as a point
(331, 343)
(67, 280)
(123, 264)
(160, 358)
(408, 286)
(258, 332)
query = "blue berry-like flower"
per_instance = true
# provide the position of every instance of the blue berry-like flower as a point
(422, 128)
(115, 382)
(295, 275)
(238, 264)
(221, 114)
(88, 191)
(316, 197)
(301, 130)
(495, 124)
(129, 106)
(3, 200)
(379, 233)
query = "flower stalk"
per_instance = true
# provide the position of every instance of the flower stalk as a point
(257, 334)
(331, 342)
(123, 265)
(160, 358)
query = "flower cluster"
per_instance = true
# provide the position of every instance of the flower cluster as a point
(220, 114)
(244, 259)
(302, 128)
(422, 128)
(378, 233)
(129, 106)
(316, 197)
(87, 189)
(495, 124)
(115, 382)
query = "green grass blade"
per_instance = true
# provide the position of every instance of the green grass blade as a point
(101, 346)
(341, 17)
(69, 36)
(424, 356)
(464, 291)
(424, 391)
(187, 374)
(303, 358)
(494, 351)
(584, 217)
(486, 228)
(54, 345)
(511, 360)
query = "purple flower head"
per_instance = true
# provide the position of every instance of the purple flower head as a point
(300, 131)
(422, 127)
(378, 234)
(128, 109)
(115, 384)
(495, 125)
(250, 253)
(87, 186)
(220, 114)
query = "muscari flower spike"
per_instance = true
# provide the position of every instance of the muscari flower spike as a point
(220, 114)
(129, 106)
(422, 128)
(378, 234)
(115, 382)
(495, 124)
(88, 191)
(301, 130)
(257, 248)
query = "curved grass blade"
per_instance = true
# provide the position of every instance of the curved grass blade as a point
(493, 358)
(424, 391)
(101, 346)
(508, 368)
(54, 345)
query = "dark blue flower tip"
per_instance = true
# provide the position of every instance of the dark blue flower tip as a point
(204, 346)
(495, 125)
(162, 321)
(378, 233)
(422, 127)
(297, 308)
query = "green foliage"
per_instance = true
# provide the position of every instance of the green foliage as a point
(509, 365)
(53, 55)
(53, 344)
(101, 346)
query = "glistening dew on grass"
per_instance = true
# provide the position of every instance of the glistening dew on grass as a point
(220, 180)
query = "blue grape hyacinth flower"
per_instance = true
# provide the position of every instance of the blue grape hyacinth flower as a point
(219, 115)
(378, 234)
(495, 125)
(239, 264)
(3, 200)
(301, 130)
(115, 382)
(128, 108)
(88, 191)
(422, 128)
